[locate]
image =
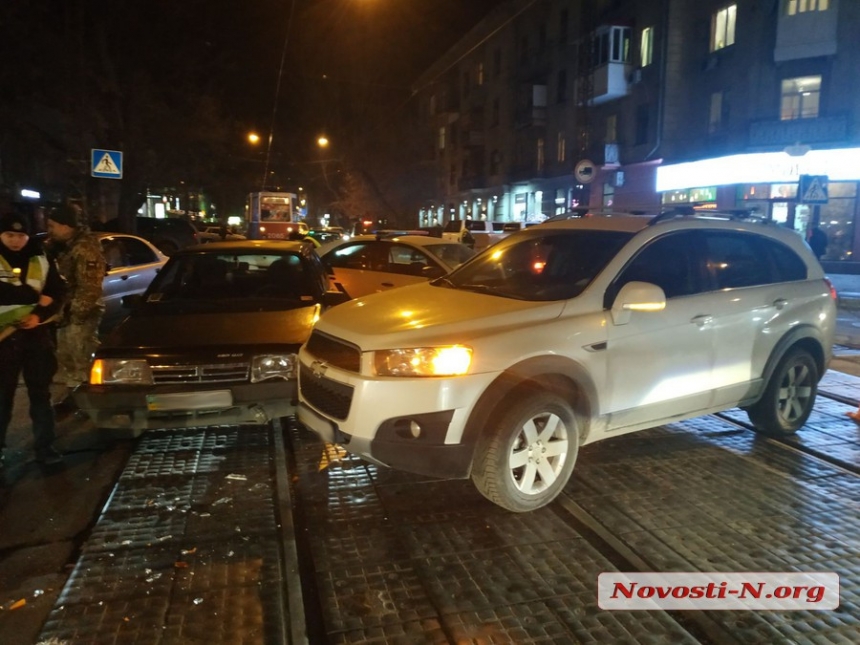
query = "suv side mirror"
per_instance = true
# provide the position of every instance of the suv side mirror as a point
(637, 296)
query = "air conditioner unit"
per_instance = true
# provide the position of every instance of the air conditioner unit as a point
(636, 76)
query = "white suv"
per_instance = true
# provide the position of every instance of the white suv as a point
(567, 333)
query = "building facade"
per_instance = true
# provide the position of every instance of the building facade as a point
(635, 105)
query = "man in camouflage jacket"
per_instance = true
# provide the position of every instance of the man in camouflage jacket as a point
(82, 264)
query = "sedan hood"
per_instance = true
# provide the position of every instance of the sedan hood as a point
(167, 330)
(424, 313)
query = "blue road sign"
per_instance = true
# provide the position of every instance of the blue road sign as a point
(812, 189)
(107, 164)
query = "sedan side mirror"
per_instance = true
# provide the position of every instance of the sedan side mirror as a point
(335, 297)
(637, 296)
(132, 301)
(431, 272)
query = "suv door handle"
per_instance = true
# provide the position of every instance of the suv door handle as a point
(702, 320)
(387, 284)
(780, 303)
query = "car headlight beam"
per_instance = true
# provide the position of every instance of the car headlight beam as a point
(266, 366)
(424, 361)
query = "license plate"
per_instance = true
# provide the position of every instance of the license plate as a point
(210, 400)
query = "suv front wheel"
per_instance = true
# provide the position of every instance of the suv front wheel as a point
(523, 461)
(790, 394)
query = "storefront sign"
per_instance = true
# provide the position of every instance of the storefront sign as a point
(841, 164)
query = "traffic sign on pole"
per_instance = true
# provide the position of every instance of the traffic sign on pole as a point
(106, 164)
(812, 189)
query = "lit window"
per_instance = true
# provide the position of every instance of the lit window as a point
(793, 7)
(800, 98)
(715, 118)
(561, 147)
(646, 46)
(723, 27)
(442, 138)
(479, 74)
(540, 154)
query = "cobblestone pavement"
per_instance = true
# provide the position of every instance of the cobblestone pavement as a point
(202, 541)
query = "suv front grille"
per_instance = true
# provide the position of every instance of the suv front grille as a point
(221, 373)
(329, 397)
(334, 352)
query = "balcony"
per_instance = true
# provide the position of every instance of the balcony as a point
(806, 35)
(776, 133)
(532, 116)
(610, 81)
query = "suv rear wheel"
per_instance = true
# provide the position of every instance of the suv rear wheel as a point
(790, 394)
(524, 460)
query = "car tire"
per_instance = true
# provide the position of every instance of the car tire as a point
(512, 468)
(789, 396)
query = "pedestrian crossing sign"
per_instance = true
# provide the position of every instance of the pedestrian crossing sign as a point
(812, 189)
(107, 164)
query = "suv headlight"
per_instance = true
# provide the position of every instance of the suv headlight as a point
(424, 361)
(266, 366)
(118, 371)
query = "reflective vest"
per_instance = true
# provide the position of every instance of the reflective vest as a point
(37, 273)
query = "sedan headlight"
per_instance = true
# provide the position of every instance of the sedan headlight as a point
(266, 366)
(424, 361)
(118, 371)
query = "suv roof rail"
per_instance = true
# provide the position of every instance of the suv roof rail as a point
(695, 210)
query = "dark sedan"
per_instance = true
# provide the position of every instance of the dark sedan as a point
(212, 340)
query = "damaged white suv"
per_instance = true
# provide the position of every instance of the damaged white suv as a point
(567, 333)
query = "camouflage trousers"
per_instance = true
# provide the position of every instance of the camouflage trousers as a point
(76, 344)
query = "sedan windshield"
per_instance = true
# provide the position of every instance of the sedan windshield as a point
(242, 279)
(547, 265)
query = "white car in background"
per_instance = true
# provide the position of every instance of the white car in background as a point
(367, 264)
(132, 263)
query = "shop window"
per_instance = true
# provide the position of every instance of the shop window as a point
(800, 98)
(793, 7)
(723, 27)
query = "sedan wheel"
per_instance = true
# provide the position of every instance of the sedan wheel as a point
(523, 462)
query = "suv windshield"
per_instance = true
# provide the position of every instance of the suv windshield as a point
(553, 265)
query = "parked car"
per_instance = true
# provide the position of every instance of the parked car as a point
(215, 233)
(212, 340)
(475, 233)
(366, 264)
(568, 333)
(132, 263)
(169, 234)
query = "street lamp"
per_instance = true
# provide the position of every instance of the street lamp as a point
(253, 138)
(322, 141)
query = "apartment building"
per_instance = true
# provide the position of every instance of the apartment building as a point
(634, 105)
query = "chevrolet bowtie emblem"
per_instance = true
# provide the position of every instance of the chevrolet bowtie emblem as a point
(318, 369)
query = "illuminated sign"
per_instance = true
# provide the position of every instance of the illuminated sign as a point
(842, 164)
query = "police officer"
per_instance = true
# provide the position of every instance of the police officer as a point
(82, 264)
(31, 293)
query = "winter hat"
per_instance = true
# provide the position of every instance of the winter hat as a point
(15, 223)
(65, 214)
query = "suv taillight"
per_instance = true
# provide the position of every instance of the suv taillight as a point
(833, 293)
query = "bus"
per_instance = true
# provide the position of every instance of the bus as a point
(273, 216)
